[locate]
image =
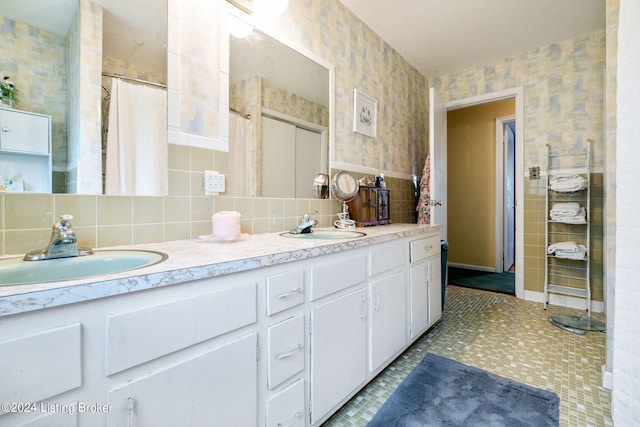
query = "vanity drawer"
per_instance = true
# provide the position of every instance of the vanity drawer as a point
(287, 407)
(386, 256)
(138, 336)
(424, 248)
(334, 277)
(285, 348)
(284, 291)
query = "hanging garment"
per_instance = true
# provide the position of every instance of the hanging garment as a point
(424, 202)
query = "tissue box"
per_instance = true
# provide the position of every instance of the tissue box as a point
(12, 185)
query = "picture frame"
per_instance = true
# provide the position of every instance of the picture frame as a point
(365, 110)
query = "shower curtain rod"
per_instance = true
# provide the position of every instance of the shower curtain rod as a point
(118, 76)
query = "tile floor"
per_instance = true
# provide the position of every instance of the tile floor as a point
(511, 338)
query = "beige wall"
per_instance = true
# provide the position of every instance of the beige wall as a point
(471, 182)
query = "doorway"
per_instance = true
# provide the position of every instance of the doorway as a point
(438, 149)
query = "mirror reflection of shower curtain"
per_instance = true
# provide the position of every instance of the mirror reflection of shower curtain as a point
(237, 183)
(136, 152)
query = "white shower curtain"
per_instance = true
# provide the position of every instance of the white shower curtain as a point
(239, 137)
(136, 153)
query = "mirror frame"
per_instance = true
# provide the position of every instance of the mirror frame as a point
(175, 45)
(272, 31)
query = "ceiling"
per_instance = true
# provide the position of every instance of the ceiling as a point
(441, 36)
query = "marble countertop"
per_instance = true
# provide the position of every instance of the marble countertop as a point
(192, 260)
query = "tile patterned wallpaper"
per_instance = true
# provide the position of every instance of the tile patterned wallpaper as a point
(563, 106)
(563, 93)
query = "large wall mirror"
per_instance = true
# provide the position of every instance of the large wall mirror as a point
(281, 121)
(61, 55)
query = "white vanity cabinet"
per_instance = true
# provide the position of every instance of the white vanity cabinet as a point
(388, 303)
(178, 355)
(25, 146)
(338, 331)
(282, 345)
(425, 284)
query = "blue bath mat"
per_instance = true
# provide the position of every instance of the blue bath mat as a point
(442, 392)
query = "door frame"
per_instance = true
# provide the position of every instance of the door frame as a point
(501, 164)
(518, 94)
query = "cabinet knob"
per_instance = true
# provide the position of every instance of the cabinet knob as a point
(5, 129)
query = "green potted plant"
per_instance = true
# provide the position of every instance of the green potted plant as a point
(9, 95)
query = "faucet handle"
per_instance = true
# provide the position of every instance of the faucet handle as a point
(64, 225)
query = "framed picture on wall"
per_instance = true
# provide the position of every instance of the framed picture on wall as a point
(364, 114)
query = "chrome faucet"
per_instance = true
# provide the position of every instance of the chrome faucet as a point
(62, 244)
(306, 223)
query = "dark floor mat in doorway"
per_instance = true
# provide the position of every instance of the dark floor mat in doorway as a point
(496, 282)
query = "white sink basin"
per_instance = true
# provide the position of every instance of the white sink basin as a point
(325, 234)
(16, 271)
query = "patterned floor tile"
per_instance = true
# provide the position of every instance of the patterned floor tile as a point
(509, 337)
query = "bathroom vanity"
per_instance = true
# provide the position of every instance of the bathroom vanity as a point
(266, 331)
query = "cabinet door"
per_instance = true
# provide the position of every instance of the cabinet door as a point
(388, 315)
(434, 274)
(338, 351)
(24, 132)
(217, 387)
(419, 299)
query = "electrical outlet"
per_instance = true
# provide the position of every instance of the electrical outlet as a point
(213, 182)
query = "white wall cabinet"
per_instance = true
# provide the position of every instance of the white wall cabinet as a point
(25, 146)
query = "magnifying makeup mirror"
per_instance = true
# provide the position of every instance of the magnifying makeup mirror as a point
(344, 187)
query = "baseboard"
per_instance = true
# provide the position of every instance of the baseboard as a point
(471, 267)
(564, 301)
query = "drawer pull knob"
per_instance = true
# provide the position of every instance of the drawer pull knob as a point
(5, 129)
(296, 417)
(428, 247)
(287, 294)
(290, 352)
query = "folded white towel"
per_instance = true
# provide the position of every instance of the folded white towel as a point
(567, 183)
(565, 209)
(562, 246)
(581, 253)
(581, 218)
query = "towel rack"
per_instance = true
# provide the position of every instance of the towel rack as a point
(567, 276)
